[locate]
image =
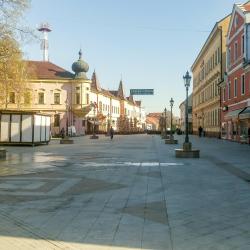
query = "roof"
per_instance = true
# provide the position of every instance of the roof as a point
(156, 115)
(114, 92)
(48, 70)
(152, 120)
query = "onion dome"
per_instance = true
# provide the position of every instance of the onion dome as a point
(80, 67)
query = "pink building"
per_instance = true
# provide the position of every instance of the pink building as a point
(235, 94)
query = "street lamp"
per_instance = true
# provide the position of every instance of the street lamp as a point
(171, 139)
(171, 117)
(187, 79)
(108, 124)
(165, 122)
(94, 136)
(187, 151)
(162, 124)
(66, 139)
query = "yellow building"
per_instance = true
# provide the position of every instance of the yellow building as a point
(208, 73)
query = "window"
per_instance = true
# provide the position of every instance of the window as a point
(12, 97)
(40, 98)
(235, 87)
(27, 98)
(229, 90)
(87, 98)
(100, 106)
(243, 87)
(77, 98)
(236, 21)
(224, 94)
(228, 57)
(235, 51)
(243, 44)
(56, 98)
(57, 120)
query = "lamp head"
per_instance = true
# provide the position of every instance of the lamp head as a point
(187, 79)
(171, 102)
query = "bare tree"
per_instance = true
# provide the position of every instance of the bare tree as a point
(11, 25)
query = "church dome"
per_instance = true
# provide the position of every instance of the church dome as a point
(80, 67)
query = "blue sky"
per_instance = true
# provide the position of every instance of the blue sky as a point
(151, 44)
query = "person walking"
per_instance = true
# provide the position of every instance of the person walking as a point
(62, 132)
(111, 133)
(200, 131)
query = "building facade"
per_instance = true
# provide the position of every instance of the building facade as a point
(208, 73)
(235, 92)
(74, 102)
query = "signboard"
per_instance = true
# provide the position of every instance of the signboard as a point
(141, 91)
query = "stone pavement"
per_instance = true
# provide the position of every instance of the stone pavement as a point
(129, 193)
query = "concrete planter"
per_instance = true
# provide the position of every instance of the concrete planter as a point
(171, 141)
(66, 141)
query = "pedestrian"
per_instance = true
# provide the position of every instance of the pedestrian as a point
(200, 131)
(111, 133)
(62, 132)
(248, 132)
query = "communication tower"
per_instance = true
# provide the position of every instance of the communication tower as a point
(45, 29)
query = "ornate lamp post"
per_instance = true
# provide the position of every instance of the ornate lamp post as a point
(108, 124)
(187, 79)
(94, 136)
(165, 123)
(171, 117)
(161, 124)
(187, 151)
(171, 139)
(66, 139)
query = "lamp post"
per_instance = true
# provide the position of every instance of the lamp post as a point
(66, 139)
(171, 139)
(108, 124)
(187, 79)
(162, 124)
(171, 117)
(165, 123)
(187, 151)
(94, 136)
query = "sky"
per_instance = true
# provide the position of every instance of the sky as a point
(149, 44)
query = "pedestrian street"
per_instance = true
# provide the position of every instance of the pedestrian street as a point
(128, 193)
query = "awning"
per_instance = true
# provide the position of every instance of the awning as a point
(245, 114)
(232, 115)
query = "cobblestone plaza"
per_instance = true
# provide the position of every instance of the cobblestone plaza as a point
(129, 193)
